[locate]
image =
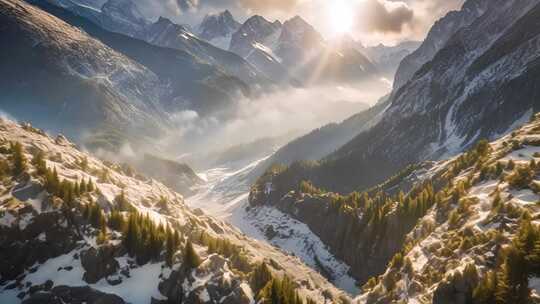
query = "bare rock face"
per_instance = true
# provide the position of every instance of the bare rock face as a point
(221, 284)
(457, 290)
(33, 239)
(99, 263)
(65, 294)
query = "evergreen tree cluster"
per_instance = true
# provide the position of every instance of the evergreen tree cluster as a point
(4, 168)
(273, 290)
(145, 240)
(18, 158)
(93, 213)
(191, 258)
(508, 282)
(66, 189)
(522, 176)
(39, 163)
(122, 203)
(309, 188)
(227, 249)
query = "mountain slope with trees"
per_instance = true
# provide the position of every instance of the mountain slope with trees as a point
(76, 229)
(464, 231)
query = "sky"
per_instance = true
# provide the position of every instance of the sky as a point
(369, 21)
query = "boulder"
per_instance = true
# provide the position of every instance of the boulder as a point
(99, 263)
(172, 287)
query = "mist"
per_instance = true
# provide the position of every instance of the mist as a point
(290, 111)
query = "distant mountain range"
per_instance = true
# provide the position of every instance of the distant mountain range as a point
(100, 80)
(296, 50)
(479, 84)
(272, 46)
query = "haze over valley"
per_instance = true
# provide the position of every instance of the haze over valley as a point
(295, 152)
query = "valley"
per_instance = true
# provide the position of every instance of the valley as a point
(225, 197)
(301, 152)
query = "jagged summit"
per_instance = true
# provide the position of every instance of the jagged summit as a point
(218, 28)
(124, 15)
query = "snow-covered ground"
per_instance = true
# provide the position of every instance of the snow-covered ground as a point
(225, 196)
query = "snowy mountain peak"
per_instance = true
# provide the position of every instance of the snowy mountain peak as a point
(124, 16)
(218, 25)
(297, 30)
(124, 8)
(258, 22)
(255, 30)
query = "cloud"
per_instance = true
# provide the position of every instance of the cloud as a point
(270, 115)
(385, 16)
(269, 5)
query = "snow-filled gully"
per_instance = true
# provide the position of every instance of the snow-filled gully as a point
(225, 196)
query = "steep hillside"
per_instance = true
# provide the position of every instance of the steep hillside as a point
(475, 87)
(124, 17)
(177, 176)
(75, 229)
(479, 244)
(325, 140)
(463, 230)
(437, 37)
(188, 83)
(78, 83)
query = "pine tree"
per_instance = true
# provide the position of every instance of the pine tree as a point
(102, 235)
(76, 189)
(534, 259)
(19, 160)
(260, 277)
(116, 220)
(90, 186)
(191, 258)
(121, 201)
(170, 247)
(131, 235)
(484, 293)
(39, 162)
(83, 186)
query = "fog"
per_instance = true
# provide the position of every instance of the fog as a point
(290, 111)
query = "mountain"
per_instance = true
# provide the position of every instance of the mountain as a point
(75, 229)
(124, 17)
(218, 28)
(388, 58)
(479, 85)
(78, 84)
(296, 50)
(325, 140)
(441, 232)
(112, 90)
(167, 34)
(254, 40)
(437, 38)
(177, 176)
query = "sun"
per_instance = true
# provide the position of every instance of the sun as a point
(341, 17)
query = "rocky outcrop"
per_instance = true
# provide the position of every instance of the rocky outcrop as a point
(65, 294)
(211, 280)
(99, 263)
(33, 238)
